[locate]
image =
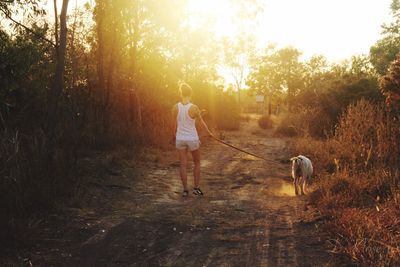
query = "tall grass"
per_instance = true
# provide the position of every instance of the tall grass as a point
(357, 183)
(27, 183)
(306, 121)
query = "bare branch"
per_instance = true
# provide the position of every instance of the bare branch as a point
(27, 28)
(56, 22)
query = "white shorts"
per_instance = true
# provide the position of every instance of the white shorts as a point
(191, 145)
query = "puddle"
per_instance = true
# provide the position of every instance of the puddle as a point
(286, 189)
(281, 188)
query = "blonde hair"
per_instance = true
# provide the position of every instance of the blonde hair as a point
(185, 90)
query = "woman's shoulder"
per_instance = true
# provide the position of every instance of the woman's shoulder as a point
(194, 111)
(193, 107)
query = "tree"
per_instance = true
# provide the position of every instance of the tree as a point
(386, 49)
(58, 84)
(277, 72)
(30, 9)
(237, 52)
(390, 84)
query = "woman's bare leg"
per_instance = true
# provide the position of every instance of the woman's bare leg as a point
(183, 165)
(196, 169)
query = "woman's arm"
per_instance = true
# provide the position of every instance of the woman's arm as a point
(174, 113)
(197, 115)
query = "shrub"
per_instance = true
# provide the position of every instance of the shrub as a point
(227, 112)
(369, 236)
(368, 137)
(306, 121)
(283, 130)
(389, 84)
(265, 122)
(361, 193)
(27, 183)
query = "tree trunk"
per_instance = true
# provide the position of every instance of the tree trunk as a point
(135, 107)
(107, 101)
(100, 67)
(58, 80)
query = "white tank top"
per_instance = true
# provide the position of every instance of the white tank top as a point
(186, 128)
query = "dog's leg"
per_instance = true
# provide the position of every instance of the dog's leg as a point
(295, 183)
(302, 183)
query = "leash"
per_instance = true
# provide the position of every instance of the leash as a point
(244, 151)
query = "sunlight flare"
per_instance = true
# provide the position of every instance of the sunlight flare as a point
(219, 14)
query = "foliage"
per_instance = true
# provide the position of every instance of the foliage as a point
(121, 78)
(227, 115)
(368, 235)
(265, 122)
(24, 69)
(358, 181)
(120, 81)
(276, 71)
(306, 121)
(390, 84)
(286, 130)
(369, 131)
(325, 91)
(365, 139)
(386, 49)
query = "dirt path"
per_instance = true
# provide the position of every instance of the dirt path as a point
(248, 216)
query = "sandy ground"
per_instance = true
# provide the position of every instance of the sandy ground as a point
(135, 215)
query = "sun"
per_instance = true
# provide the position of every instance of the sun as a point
(219, 15)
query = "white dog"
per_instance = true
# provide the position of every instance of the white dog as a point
(302, 170)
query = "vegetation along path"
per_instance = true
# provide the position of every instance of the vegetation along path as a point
(249, 215)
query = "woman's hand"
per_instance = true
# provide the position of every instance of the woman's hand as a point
(173, 139)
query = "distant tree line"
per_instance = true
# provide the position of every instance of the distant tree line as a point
(321, 91)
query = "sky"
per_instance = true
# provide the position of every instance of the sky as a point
(337, 29)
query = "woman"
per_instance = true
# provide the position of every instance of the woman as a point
(187, 138)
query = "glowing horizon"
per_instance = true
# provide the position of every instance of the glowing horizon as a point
(336, 29)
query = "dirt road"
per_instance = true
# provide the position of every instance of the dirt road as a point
(249, 215)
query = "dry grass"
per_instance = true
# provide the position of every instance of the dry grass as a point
(368, 236)
(357, 183)
(25, 180)
(306, 121)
